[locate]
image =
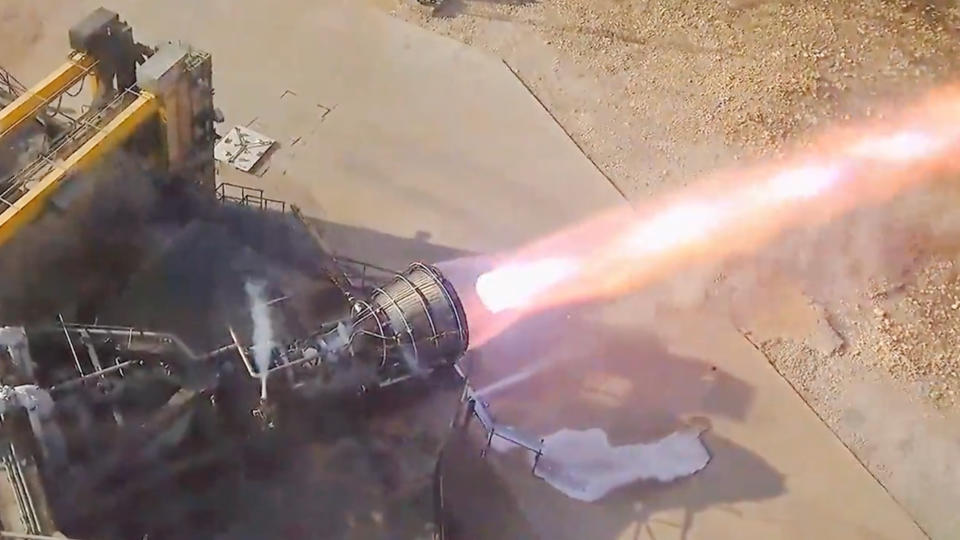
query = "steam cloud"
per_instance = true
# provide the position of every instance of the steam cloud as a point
(262, 331)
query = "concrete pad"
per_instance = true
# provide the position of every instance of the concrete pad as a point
(906, 445)
(387, 129)
(385, 126)
(776, 470)
(375, 119)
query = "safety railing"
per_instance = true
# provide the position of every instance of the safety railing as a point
(10, 87)
(248, 196)
(364, 275)
(479, 409)
(14, 186)
(16, 478)
(476, 408)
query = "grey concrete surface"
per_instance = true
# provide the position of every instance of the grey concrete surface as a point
(776, 470)
(388, 132)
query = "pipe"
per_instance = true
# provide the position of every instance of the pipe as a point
(220, 350)
(172, 338)
(32, 517)
(32, 102)
(132, 332)
(328, 262)
(305, 358)
(243, 353)
(118, 130)
(70, 342)
(25, 536)
(80, 380)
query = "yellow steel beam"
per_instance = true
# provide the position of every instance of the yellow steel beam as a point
(32, 203)
(33, 101)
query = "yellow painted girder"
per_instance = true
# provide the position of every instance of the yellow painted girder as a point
(119, 129)
(34, 100)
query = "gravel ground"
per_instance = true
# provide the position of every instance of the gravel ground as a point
(658, 93)
(915, 329)
(694, 84)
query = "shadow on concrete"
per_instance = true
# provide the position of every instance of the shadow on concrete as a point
(383, 249)
(186, 276)
(624, 381)
(734, 475)
(620, 379)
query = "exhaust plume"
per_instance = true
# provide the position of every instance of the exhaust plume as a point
(732, 213)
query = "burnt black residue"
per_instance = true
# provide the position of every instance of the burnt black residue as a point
(129, 249)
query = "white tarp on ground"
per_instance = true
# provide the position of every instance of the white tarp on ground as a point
(584, 466)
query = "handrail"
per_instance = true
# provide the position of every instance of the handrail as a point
(32, 102)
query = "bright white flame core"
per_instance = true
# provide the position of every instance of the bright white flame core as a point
(732, 213)
(514, 285)
(675, 226)
(901, 146)
(803, 182)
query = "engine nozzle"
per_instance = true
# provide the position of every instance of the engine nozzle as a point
(417, 316)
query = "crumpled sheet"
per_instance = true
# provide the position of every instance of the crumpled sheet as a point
(584, 466)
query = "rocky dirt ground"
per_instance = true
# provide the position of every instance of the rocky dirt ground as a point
(691, 86)
(658, 93)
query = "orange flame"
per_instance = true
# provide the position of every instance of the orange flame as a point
(728, 214)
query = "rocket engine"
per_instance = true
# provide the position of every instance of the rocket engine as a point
(418, 316)
(405, 328)
(98, 410)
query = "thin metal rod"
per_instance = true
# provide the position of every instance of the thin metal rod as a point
(129, 333)
(18, 472)
(25, 536)
(80, 380)
(46, 101)
(243, 354)
(297, 362)
(91, 350)
(78, 132)
(221, 350)
(423, 301)
(406, 323)
(76, 358)
(11, 467)
(132, 332)
(446, 295)
(383, 360)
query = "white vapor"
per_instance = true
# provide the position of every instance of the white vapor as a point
(262, 332)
